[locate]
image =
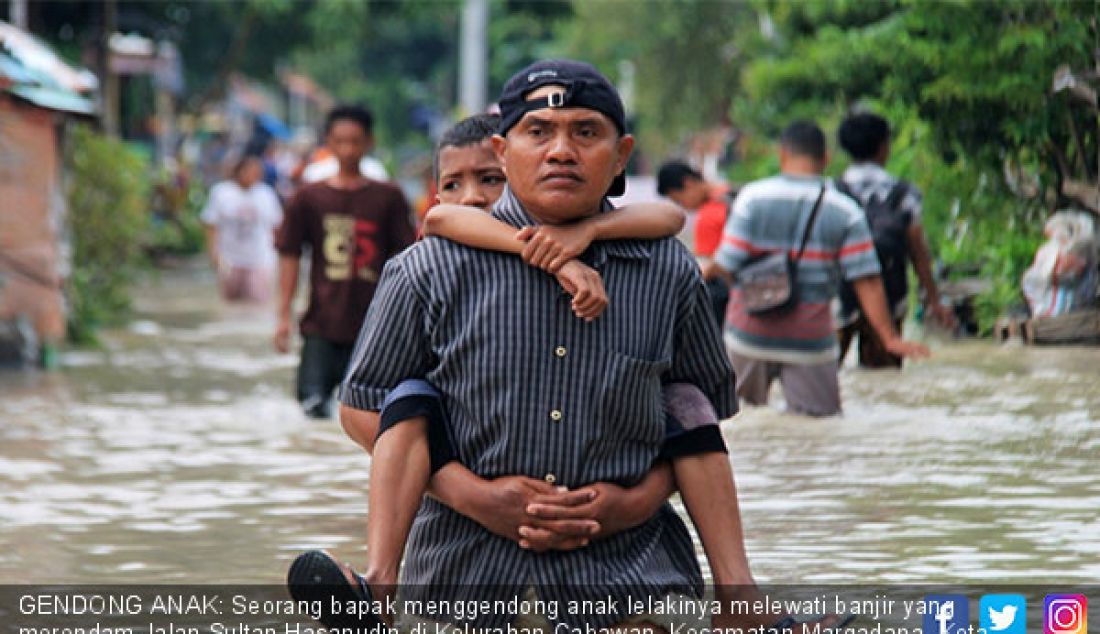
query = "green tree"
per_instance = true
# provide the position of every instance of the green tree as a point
(967, 85)
(107, 200)
(687, 54)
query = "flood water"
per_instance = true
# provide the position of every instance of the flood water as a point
(176, 453)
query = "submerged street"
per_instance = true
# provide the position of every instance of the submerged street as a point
(177, 454)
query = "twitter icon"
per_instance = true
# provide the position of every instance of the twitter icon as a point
(1003, 614)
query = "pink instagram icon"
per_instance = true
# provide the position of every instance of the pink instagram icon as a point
(1065, 614)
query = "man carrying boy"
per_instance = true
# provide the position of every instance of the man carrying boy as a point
(352, 225)
(531, 391)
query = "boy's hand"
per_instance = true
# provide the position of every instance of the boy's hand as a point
(586, 287)
(550, 247)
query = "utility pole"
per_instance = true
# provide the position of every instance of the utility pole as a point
(110, 82)
(17, 14)
(473, 82)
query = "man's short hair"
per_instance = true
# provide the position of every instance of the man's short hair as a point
(470, 131)
(805, 139)
(353, 113)
(673, 174)
(862, 134)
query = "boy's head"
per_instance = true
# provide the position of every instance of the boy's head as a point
(467, 170)
(865, 137)
(349, 135)
(683, 184)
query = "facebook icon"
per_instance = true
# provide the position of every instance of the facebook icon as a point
(946, 614)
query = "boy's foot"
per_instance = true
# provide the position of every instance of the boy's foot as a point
(316, 576)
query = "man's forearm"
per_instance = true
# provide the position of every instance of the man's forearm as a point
(456, 487)
(872, 300)
(654, 489)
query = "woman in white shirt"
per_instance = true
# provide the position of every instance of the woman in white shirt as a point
(241, 216)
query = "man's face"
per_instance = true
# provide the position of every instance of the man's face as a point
(348, 142)
(470, 175)
(691, 196)
(561, 161)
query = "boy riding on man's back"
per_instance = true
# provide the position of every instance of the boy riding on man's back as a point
(415, 455)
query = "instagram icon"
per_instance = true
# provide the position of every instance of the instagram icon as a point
(1065, 614)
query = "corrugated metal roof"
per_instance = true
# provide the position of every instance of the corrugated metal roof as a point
(31, 70)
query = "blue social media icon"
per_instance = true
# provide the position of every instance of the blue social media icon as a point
(1003, 614)
(946, 614)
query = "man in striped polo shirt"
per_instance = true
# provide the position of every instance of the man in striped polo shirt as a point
(799, 347)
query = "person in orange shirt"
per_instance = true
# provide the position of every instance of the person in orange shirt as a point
(685, 186)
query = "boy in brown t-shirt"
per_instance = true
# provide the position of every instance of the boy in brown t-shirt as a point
(352, 225)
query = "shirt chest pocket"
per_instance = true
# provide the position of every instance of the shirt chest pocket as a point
(630, 403)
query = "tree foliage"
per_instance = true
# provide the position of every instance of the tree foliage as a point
(967, 85)
(687, 56)
(107, 196)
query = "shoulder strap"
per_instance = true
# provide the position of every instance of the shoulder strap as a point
(843, 187)
(810, 223)
(897, 194)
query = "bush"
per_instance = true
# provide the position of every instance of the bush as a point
(175, 228)
(107, 197)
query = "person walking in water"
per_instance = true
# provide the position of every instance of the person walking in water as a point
(826, 237)
(240, 219)
(352, 225)
(893, 209)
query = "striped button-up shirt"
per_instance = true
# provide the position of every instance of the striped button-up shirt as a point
(532, 390)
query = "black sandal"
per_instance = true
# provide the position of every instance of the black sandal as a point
(316, 577)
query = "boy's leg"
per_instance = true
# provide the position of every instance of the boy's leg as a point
(709, 493)
(399, 473)
(704, 477)
(412, 444)
(700, 464)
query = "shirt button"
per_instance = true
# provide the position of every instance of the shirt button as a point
(560, 351)
(555, 415)
(550, 478)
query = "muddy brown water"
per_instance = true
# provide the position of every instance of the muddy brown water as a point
(176, 454)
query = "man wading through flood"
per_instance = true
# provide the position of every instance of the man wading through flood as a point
(532, 391)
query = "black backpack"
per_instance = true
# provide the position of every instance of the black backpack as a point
(889, 227)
